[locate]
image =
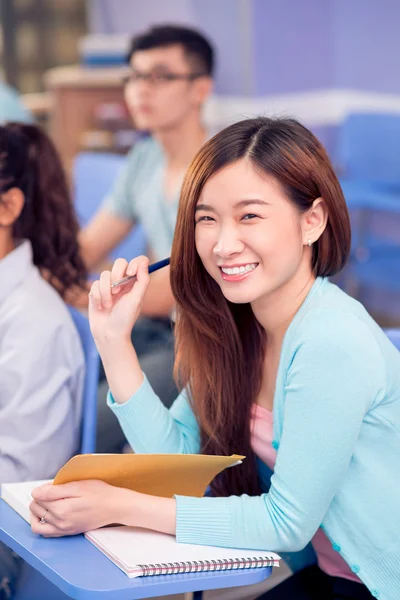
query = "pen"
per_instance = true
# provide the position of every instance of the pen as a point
(154, 267)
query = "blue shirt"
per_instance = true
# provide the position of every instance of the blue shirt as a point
(337, 432)
(138, 195)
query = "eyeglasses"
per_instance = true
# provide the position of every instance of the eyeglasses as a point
(159, 79)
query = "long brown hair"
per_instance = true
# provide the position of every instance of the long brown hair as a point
(29, 161)
(220, 347)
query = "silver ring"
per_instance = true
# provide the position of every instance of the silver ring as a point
(42, 520)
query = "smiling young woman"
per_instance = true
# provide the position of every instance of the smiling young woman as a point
(254, 201)
(274, 362)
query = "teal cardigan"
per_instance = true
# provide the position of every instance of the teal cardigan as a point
(337, 432)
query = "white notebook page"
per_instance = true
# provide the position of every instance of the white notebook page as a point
(131, 546)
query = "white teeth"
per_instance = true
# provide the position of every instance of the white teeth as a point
(239, 270)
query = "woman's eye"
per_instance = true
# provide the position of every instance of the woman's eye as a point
(205, 218)
(250, 216)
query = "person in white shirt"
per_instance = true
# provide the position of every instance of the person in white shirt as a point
(41, 358)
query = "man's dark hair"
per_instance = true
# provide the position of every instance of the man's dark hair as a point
(198, 50)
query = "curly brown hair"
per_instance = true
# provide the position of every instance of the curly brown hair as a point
(29, 161)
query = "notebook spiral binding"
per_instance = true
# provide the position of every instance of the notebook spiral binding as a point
(175, 568)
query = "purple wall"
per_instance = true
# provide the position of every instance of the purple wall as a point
(224, 21)
(131, 16)
(292, 45)
(326, 44)
(366, 37)
(279, 46)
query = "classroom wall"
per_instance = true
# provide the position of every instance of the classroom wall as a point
(367, 45)
(292, 46)
(279, 46)
(317, 60)
(222, 20)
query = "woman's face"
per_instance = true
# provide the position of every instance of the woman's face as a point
(249, 236)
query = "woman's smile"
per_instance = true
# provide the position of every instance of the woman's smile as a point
(237, 272)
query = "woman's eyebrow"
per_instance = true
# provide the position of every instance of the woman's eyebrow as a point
(239, 204)
(205, 207)
(251, 201)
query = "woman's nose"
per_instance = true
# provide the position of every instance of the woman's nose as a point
(228, 243)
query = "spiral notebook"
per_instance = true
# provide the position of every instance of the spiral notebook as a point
(141, 553)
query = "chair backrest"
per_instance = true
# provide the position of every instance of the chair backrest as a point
(394, 336)
(32, 585)
(94, 175)
(92, 360)
(369, 147)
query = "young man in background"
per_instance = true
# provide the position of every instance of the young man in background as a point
(170, 79)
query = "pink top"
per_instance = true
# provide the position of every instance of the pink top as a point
(329, 561)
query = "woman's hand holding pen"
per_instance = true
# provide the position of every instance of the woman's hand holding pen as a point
(114, 311)
(112, 315)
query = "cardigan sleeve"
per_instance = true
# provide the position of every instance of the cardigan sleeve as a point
(151, 428)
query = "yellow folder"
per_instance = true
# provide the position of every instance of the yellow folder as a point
(155, 474)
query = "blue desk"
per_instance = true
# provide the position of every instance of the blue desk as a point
(75, 566)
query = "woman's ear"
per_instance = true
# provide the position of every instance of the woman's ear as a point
(314, 221)
(11, 205)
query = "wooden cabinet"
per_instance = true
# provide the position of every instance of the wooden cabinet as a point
(75, 93)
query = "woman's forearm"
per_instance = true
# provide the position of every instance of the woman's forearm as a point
(150, 512)
(122, 369)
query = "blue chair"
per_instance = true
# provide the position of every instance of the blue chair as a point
(375, 281)
(92, 362)
(394, 337)
(94, 175)
(368, 154)
(369, 148)
(32, 585)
